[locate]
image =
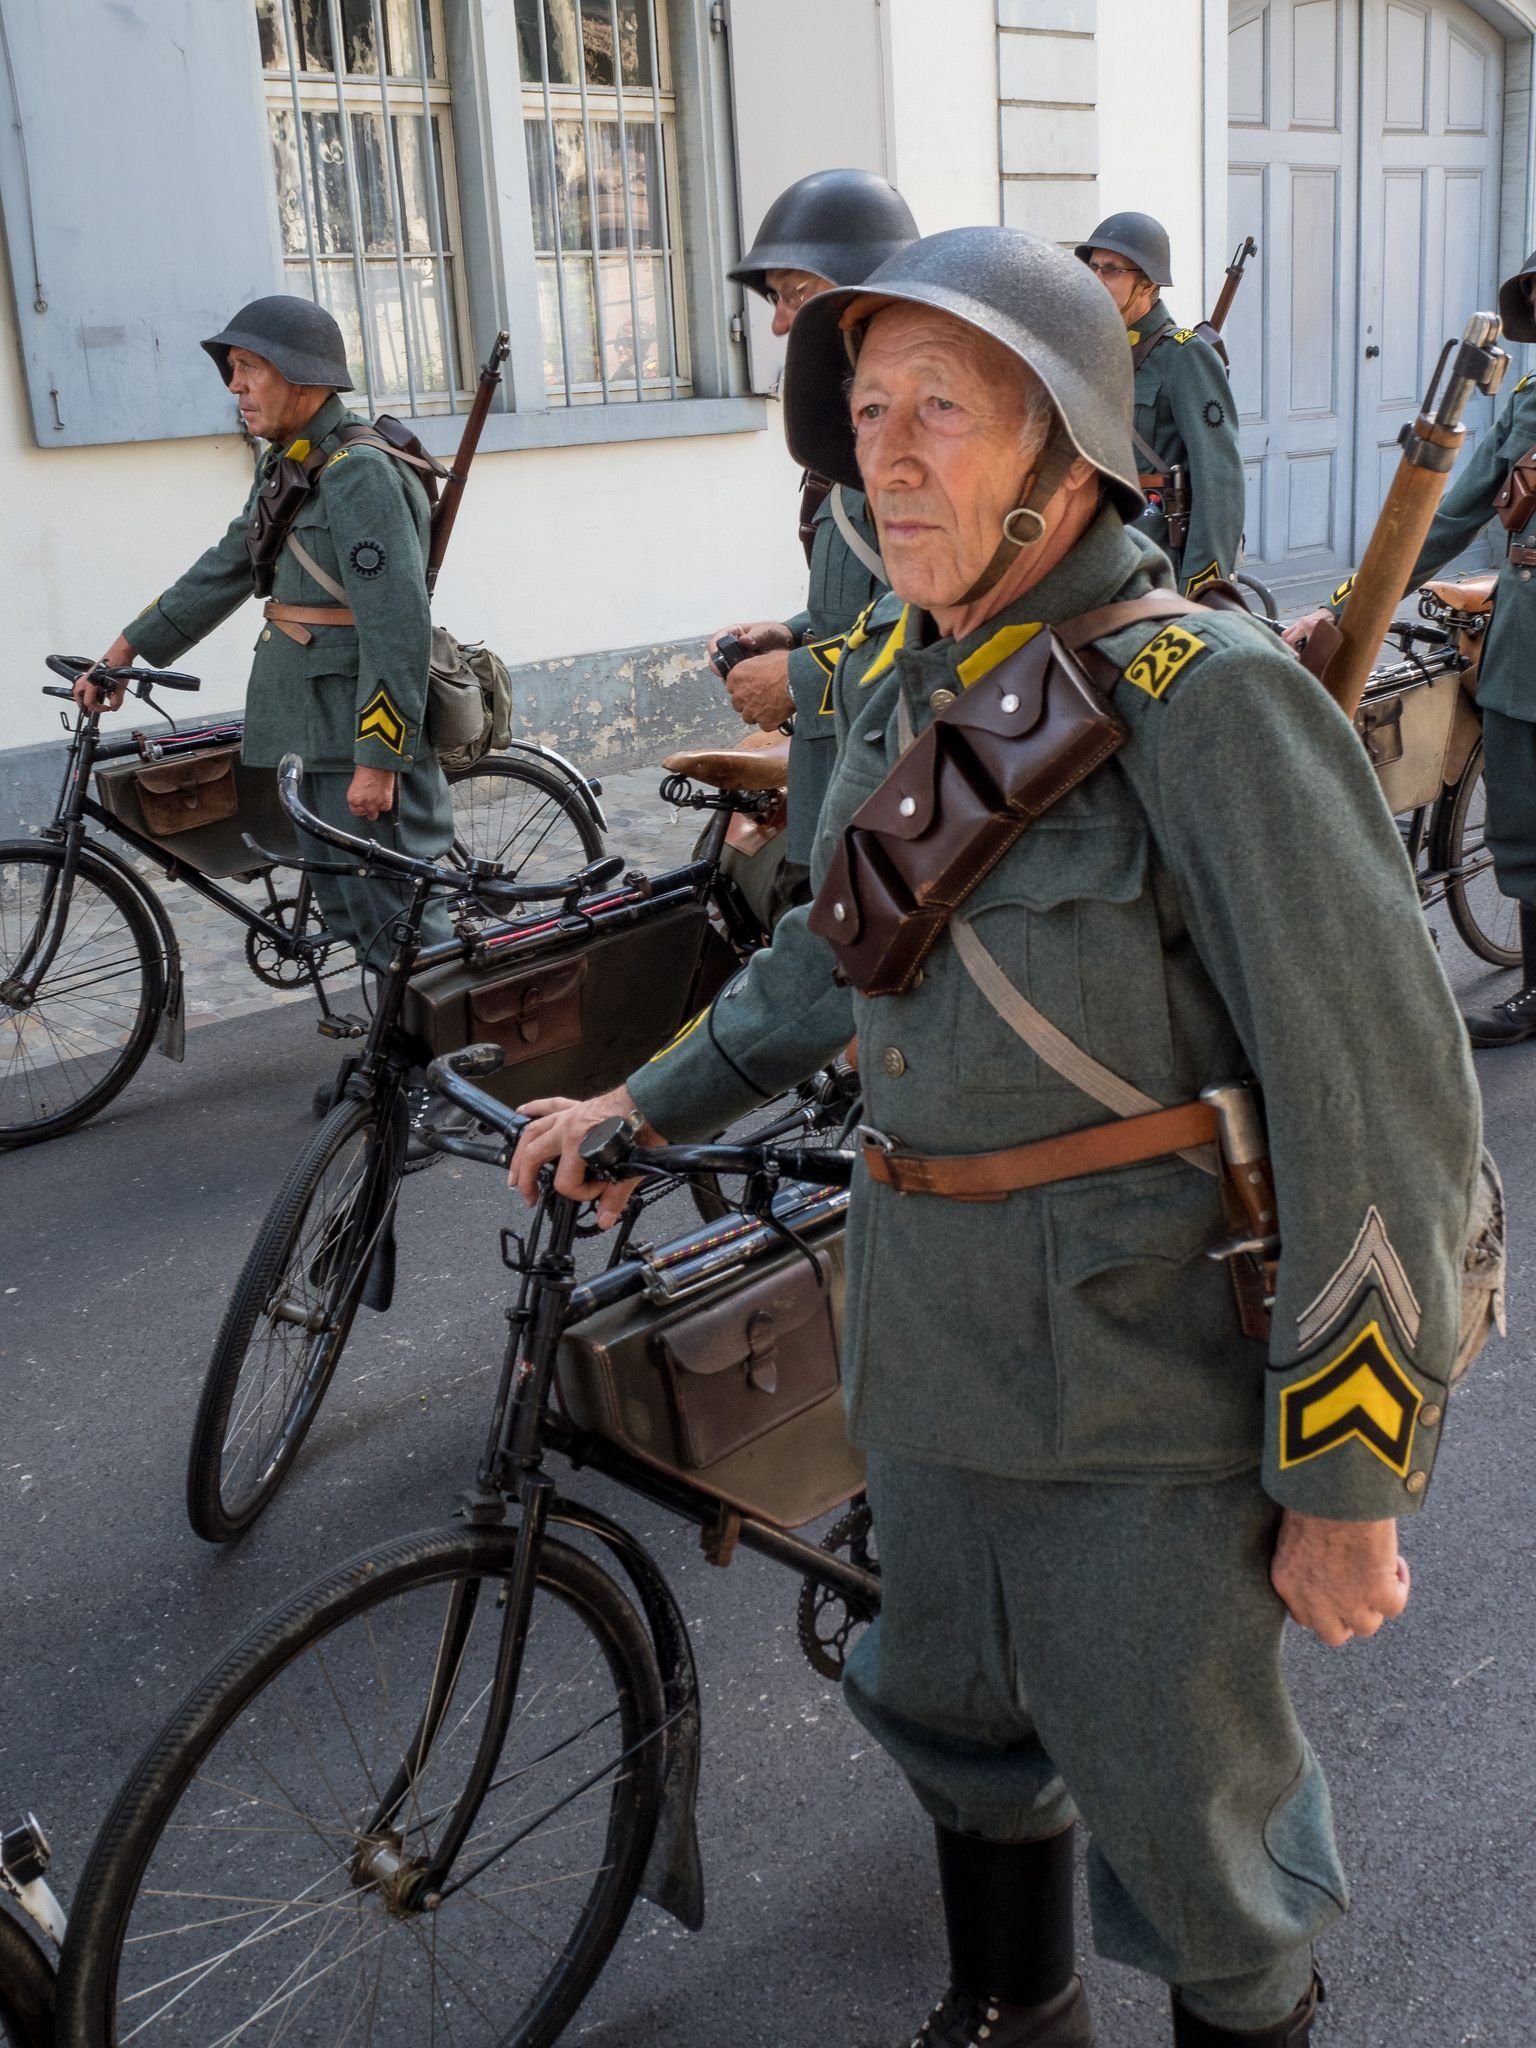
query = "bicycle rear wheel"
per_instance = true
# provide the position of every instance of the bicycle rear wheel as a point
(253, 1880)
(524, 817)
(71, 1039)
(1485, 920)
(26, 1988)
(289, 1317)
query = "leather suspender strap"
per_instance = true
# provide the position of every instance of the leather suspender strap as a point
(1140, 350)
(989, 1176)
(853, 540)
(1154, 461)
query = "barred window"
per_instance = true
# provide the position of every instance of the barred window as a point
(362, 146)
(599, 121)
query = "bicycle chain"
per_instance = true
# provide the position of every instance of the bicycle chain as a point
(826, 1650)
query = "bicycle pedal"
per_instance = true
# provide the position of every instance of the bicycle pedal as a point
(340, 1025)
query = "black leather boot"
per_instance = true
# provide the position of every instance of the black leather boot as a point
(1513, 1020)
(1295, 2032)
(1008, 1914)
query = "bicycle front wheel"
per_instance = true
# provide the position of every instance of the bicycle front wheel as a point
(81, 984)
(254, 1880)
(289, 1318)
(524, 817)
(1486, 921)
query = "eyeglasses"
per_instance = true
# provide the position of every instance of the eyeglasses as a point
(1112, 271)
(795, 297)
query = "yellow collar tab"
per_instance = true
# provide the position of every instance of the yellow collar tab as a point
(888, 653)
(982, 660)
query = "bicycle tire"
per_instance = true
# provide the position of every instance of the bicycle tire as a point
(51, 1078)
(203, 1814)
(525, 817)
(304, 1273)
(1485, 929)
(26, 1988)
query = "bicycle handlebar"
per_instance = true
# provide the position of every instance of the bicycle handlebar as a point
(138, 681)
(488, 886)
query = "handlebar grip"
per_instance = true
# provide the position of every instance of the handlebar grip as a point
(446, 1077)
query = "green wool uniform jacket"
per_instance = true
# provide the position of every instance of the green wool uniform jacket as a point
(841, 587)
(1184, 412)
(356, 696)
(1226, 897)
(1506, 676)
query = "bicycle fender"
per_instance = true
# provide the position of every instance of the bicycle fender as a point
(171, 1033)
(379, 1286)
(569, 770)
(674, 1871)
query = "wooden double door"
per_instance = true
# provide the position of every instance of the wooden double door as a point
(1365, 141)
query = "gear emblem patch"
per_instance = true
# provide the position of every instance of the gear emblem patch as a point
(1215, 413)
(368, 558)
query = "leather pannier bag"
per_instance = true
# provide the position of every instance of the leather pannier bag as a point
(738, 1390)
(1516, 501)
(178, 796)
(584, 1010)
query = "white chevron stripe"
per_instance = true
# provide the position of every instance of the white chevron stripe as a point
(1372, 1261)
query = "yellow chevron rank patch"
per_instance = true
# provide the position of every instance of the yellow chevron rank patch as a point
(1341, 595)
(673, 1043)
(1183, 334)
(1363, 1393)
(1161, 659)
(1202, 579)
(379, 720)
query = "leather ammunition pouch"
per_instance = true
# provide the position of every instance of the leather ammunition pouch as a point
(289, 483)
(1516, 501)
(178, 796)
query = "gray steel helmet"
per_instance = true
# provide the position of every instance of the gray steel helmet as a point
(298, 338)
(1028, 294)
(839, 224)
(1515, 313)
(1136, 236)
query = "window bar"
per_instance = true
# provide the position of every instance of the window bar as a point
(397, 186)
(349, 164)
(554, 202)
(455, 364)
(586, 143)
(665, 184)
(629, 219)
(301, 151)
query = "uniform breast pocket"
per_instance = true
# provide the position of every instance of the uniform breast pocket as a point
(332, 652)
(1070, 919)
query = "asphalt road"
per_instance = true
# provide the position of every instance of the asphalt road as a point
(118, 1247)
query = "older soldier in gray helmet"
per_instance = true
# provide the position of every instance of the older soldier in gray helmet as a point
(333, 534)
(831, 228)
(1185, 424)
(1102, 1472)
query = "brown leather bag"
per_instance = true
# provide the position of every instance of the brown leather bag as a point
(532, 1013)
(178, 796)
(958, 798)
(1516, 502)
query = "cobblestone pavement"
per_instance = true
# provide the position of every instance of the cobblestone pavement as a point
(220, 985)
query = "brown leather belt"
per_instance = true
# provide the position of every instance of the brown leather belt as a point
(1151, 480)
(296, 619)
(989, 1176)
(1522, 557)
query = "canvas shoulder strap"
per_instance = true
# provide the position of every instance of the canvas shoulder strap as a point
(855, 542)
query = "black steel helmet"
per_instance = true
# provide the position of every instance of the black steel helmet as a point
(297, 337)
(1514, 307)
(1136, 236)
(1024, 292)
(839, 224)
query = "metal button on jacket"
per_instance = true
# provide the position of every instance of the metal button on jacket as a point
(942, 699)
(894, 1062)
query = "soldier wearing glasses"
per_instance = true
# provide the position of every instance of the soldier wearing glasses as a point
(1185, 432)
(832, 228)
(1098, 1487)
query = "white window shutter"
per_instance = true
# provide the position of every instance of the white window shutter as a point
(138, 207)
(808, 90)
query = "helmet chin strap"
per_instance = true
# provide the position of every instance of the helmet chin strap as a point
(1024, 526)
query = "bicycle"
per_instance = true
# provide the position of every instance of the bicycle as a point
(418, 1802)
(26, 1973)
(579, 992)
(90, 966)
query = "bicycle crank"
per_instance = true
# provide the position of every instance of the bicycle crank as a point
(829, 1618)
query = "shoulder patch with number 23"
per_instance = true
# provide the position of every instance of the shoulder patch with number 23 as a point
(1161, 660)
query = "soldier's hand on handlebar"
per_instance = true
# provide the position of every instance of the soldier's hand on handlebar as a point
(555, 1130)
(1299, 631)
(1339, 1579)
(759, 639)
(92, 696)
(759, 690)
(371, 792)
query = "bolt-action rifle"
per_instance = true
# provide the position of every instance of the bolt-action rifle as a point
(446, 509)
(1210, 330)
(1343, 656)
(1172, 488)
